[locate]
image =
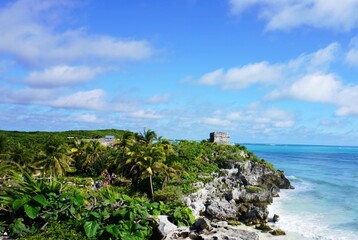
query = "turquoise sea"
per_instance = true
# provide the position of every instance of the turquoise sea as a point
(324, 203)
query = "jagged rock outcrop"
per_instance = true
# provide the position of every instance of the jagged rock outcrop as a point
(240, 193)
(221, 209)
(258, 174)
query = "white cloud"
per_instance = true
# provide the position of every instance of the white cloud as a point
(277, 114)
(158, 99)
(143, 114)
(237, 78)
(288, 14)
(263, 118)
(238, 6)
(284, 124)
(235, 116)
(317, 87)
(324, 88)
(215, 121)
(332, 123)
(253, 117)
(347, 99)
(242, 77)
(25, 96)
(62, 75)
(88, 118)
(313, 62)
(352, 54)
(28, 34)
(92, 99)
(272, 117)
(323, 57)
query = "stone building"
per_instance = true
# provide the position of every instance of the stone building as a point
(220, 137)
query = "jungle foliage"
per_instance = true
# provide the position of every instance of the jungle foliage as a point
(47, 182)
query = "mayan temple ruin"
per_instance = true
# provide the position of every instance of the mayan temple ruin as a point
(220, 137)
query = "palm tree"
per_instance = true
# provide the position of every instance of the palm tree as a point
(146, 161)
(94, 152)
(55, 160)
(87, 154)
(4, 148)
(146, 137)
(169, 169)
(78, 151)
(127, 140)
(23, 156)
(121, 150)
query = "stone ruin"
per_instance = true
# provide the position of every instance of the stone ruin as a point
(220, 137)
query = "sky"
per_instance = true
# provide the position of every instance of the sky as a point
(265, 71)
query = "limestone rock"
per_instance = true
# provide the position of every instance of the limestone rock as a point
(164, 227)
(180, 233)
(241, 192)
(221, 209)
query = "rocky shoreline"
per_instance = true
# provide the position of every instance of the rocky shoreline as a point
(237, 195)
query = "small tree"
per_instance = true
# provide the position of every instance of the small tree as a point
(147, 161)
(55, 160)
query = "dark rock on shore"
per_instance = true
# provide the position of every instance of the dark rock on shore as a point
(278, 232)
(275, 218)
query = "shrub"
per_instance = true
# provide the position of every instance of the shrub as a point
(169, 194)
(55, 231)
(253, 189)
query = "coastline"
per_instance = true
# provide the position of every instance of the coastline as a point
(269, 236)
(323, 205)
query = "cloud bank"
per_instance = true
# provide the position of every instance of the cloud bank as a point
(290, 14)
(306, 78)
(29, 35)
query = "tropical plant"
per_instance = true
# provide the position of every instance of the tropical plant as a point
(146, 161)
(78, 150)
(127, 140)
(3, 147)
(55, 160)
(88, 156)
(24, 157)
(182, 216)
(146, 137)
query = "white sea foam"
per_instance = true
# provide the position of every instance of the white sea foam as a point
(292, 177)
(308, 225)
(300, 187)
(312, 226)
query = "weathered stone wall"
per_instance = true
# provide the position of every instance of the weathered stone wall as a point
(220, 137)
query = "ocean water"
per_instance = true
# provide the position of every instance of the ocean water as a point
(324, 203)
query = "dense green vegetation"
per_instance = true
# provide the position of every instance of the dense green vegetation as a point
(47, 182)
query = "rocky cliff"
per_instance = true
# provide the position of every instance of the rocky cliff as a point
(240, 193)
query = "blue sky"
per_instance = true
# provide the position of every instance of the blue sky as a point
(265, 71)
